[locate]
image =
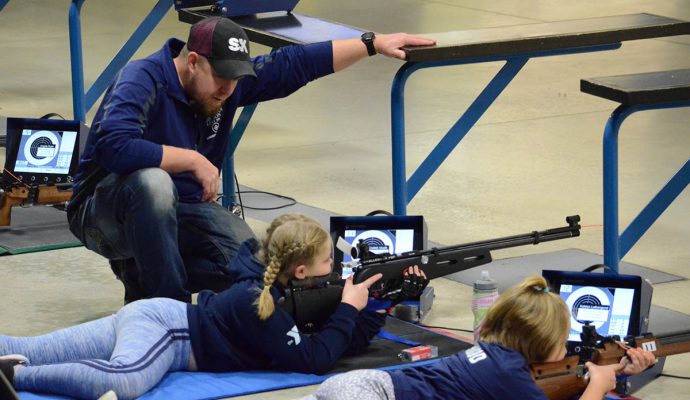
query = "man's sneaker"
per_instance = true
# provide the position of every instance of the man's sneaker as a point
(8, 362)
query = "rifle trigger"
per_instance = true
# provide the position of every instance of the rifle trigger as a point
(583, 372)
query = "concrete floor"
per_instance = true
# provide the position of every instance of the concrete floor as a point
(533, 158)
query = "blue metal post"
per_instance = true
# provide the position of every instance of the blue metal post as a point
(398, 138)
(229, 163)
(615, 246)
(126, 52)
(82, 102)
(76, 61)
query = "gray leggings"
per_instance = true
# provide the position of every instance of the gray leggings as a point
(128, 352)
(363, 384)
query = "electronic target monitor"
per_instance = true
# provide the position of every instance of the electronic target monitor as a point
(41, 151)
(383, 234)
(614, 304)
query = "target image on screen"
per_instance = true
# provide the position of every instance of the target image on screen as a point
(43, 151)
(395, 241)
(608, 309)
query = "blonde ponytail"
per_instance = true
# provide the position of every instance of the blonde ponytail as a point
(264, 304)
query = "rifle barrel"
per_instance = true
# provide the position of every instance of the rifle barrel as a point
(535, 237)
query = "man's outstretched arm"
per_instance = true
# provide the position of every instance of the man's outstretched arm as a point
(349, 51)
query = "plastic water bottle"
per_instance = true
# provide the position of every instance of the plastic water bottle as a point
(484, 295)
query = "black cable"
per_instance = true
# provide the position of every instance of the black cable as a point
(675, 376)
(379, 212)
(447, 328)
(290, 200)
(51, 115)
(594, 267)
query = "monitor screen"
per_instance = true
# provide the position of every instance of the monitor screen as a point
(383, 235)
(45, 151)
(607, 308)
(609, 302)
(42, 151)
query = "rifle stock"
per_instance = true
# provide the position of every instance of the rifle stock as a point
(564, 379)
(43, 195)
(561, 379)
(53, 195)
(9, 199)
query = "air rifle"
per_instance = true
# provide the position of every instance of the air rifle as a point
(312, 301)
(442, 261)
(29, 195)
(567, 378)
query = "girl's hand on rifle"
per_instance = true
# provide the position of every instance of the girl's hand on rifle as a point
(637, 360)
(602, 379)
(358, 295)
(414, 282)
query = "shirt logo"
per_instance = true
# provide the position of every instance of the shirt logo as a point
(214, 124)
(236, 44)
(293, 334)
(475, 354)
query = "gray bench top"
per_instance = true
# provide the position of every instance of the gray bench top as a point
(645, 88)
(520, 39)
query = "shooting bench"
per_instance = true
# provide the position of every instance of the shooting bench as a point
(637, 92)
(515, 45)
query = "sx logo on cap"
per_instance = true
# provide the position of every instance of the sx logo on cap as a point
(235, 44)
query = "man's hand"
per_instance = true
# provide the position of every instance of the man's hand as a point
(207, 175)
(390, 45)
(348, 51)
(176, 160)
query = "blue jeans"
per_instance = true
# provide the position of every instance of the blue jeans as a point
(128, 352)
(137, 221)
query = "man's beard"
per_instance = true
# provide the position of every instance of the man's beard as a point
(204, 109)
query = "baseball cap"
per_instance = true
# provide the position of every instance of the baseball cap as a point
(224, 44)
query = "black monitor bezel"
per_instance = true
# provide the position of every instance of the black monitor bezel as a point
(608, 280)
(384, 222)
(15, 126)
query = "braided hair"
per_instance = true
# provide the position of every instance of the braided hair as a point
(529, 319)
(291, 240)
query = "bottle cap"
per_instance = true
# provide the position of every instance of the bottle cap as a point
(485, 282)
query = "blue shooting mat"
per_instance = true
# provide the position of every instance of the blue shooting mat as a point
(382, 354)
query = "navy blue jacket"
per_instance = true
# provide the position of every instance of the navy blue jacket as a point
(227, 335)
(146, 107)
(487, 371)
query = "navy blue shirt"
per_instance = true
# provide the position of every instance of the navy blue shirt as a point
(227, 334)
(483, 372)
(146, 107)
